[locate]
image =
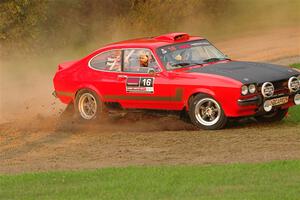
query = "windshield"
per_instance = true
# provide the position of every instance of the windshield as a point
(189, 53)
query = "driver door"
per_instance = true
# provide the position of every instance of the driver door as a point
(143, 85)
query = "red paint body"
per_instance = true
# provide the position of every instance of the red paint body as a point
(73, 76)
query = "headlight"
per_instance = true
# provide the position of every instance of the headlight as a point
(244, 90)
(268, 106)
(294, 84)
(252, 88)
(267, 89)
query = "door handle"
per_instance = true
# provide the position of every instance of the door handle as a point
(121, 76)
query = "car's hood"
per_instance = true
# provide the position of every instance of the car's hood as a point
(248, 72)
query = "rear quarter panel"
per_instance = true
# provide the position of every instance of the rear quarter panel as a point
(65, 83)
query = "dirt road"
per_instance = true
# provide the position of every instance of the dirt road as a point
(38, 142)
(51, 145)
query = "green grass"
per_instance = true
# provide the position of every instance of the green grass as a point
(296, 65)
(274, 180)
(294, 112)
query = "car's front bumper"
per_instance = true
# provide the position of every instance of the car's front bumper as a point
(256, 100)
(254, 105)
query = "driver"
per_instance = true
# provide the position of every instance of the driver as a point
(178, 57)
(183, 56)
(144, 60)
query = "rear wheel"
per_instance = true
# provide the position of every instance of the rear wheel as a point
(206, 113)
(274, 116)
(88, 106)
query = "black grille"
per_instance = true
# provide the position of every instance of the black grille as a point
(278, 85)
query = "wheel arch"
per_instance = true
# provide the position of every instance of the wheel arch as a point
(192, 94)
(219, 120)
(89, 87)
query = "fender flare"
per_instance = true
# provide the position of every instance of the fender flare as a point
(197, 91)
(88, 87)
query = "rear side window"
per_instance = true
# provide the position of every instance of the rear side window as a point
(108, 61)
(139, 61)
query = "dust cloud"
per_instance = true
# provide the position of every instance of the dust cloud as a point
(252, 30)
(37, 135)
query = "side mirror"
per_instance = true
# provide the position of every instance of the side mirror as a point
(151, 72)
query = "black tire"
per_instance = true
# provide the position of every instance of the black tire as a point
(184, 116)
(99, 106)
(199, 120)
(274, 116)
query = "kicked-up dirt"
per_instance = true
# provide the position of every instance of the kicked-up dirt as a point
(51, 144)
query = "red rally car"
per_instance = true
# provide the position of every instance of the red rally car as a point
(176, 72)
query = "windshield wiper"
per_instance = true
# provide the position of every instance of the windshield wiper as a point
(185, 64)
(212, 59)
(197, 63)
(215, 59)
(180, 64)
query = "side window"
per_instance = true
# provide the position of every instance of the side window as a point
(109, 61)
(139, 61)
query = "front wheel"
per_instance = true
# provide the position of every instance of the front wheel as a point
(206, 113)
(88, 106)
(274, 116)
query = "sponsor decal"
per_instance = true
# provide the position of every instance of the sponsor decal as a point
(172, 48)
(140, 85)
(185, 46)
(163, 51)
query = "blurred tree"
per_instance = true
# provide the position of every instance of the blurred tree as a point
(45, 26)
(20, 21)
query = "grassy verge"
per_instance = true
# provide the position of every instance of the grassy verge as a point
(294, 112)
(296, 65)
(275, 180)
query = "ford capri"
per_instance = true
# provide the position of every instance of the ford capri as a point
(176, 72)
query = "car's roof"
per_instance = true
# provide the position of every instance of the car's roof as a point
(154, 42)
